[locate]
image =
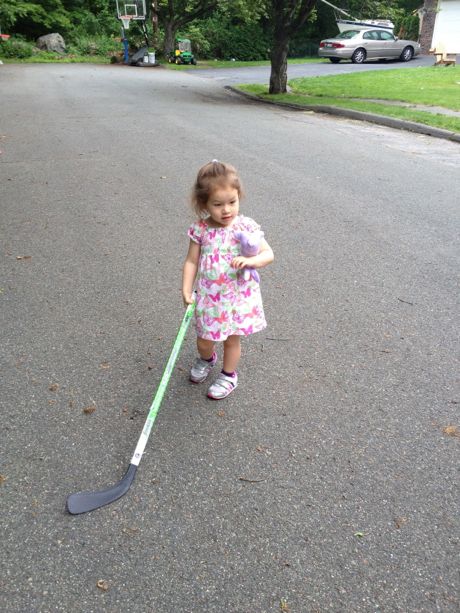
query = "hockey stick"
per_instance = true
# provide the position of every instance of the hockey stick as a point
(82, 502)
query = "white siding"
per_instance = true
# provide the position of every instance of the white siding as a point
(447, 28)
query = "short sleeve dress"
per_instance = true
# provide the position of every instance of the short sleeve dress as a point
(226, 303)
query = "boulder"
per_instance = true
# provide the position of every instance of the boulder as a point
(51, 42)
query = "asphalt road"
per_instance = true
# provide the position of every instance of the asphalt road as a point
(328, 482)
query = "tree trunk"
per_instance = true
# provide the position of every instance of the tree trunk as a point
(428, 23)
(170, 36)
(278, 74)
(154, 17)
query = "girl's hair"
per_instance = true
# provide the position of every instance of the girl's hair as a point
(210, 177)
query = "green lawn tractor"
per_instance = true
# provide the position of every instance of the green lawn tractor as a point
(182, 53)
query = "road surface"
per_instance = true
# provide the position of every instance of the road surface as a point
(328, 482)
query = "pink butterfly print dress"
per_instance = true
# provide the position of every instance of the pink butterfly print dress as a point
(226, 304)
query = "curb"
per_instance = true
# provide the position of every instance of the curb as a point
(389, 122)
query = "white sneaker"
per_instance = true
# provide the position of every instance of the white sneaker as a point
(201, 369)
(222, 386)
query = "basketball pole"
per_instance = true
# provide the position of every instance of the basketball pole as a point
(125, 46)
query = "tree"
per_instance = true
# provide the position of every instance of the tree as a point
(33, 17)
(175, 14)
(287, 17)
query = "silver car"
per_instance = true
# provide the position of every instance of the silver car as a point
(361, 45)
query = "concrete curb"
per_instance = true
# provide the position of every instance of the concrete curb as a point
(390, 122)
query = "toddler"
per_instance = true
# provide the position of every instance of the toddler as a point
(228, 305)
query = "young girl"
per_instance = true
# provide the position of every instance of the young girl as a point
(227, 305)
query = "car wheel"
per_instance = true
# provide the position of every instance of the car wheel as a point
(358, 57)
(334, 60)
(407, 54)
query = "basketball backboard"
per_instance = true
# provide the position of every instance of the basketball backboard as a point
(132, 8)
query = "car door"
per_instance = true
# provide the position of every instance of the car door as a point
(390, 46)
(372, 43)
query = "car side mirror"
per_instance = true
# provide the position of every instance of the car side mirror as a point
(396, 38)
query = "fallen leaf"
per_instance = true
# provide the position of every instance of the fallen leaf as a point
(51, 402)
(221, 413)
(89, 410)
(163, 177)
(359, 534)
(400, 521)
(103, 585)
(284, 605)
(104, 365)
(54, 387)
(23, 257)
(3, 479)
(451, 431)
(131, 531)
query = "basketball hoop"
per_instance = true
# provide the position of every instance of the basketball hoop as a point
(125, 20)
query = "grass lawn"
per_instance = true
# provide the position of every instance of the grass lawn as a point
(47, 57)
(56, 58)
(432, 86)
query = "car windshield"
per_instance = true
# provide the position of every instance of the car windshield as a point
(348, 34)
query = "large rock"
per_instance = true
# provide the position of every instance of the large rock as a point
(51, 42)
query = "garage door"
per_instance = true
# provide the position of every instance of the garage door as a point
(447, 28)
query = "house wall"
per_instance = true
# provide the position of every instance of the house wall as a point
(446, 31)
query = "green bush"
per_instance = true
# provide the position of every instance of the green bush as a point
(86, 23)
(16, 47)
(304, 48)
(219, 37)
(407, 27)
(245, 43)
(201, 45)
(93, 45)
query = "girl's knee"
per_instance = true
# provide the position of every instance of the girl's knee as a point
(232, 340)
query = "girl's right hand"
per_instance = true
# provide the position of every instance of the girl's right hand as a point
(187, 298)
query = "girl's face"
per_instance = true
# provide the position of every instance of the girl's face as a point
(223, 205)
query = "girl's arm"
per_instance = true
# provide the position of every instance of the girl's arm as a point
(189, 271)
(263, 258)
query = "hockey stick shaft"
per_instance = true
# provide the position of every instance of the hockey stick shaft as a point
(82, 502)
(156, 402)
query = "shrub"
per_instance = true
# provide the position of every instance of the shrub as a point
(93, 45)
(86, 23)
(16, 47)
(221, 38)
(407, 27)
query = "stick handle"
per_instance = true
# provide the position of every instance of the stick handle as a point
(155, 406)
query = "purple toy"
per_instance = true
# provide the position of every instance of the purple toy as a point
(250, 245)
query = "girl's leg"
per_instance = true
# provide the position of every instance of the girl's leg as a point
(205, 363)
(232, 353)
(227, 381)
(205, 348)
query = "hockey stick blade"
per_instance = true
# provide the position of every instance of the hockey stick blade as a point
(82, 502)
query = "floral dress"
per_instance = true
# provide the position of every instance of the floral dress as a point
(226, 303)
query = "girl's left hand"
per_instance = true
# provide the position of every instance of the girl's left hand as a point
(239, 262)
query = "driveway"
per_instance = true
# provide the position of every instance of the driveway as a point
(329, 480)
(261, 74)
